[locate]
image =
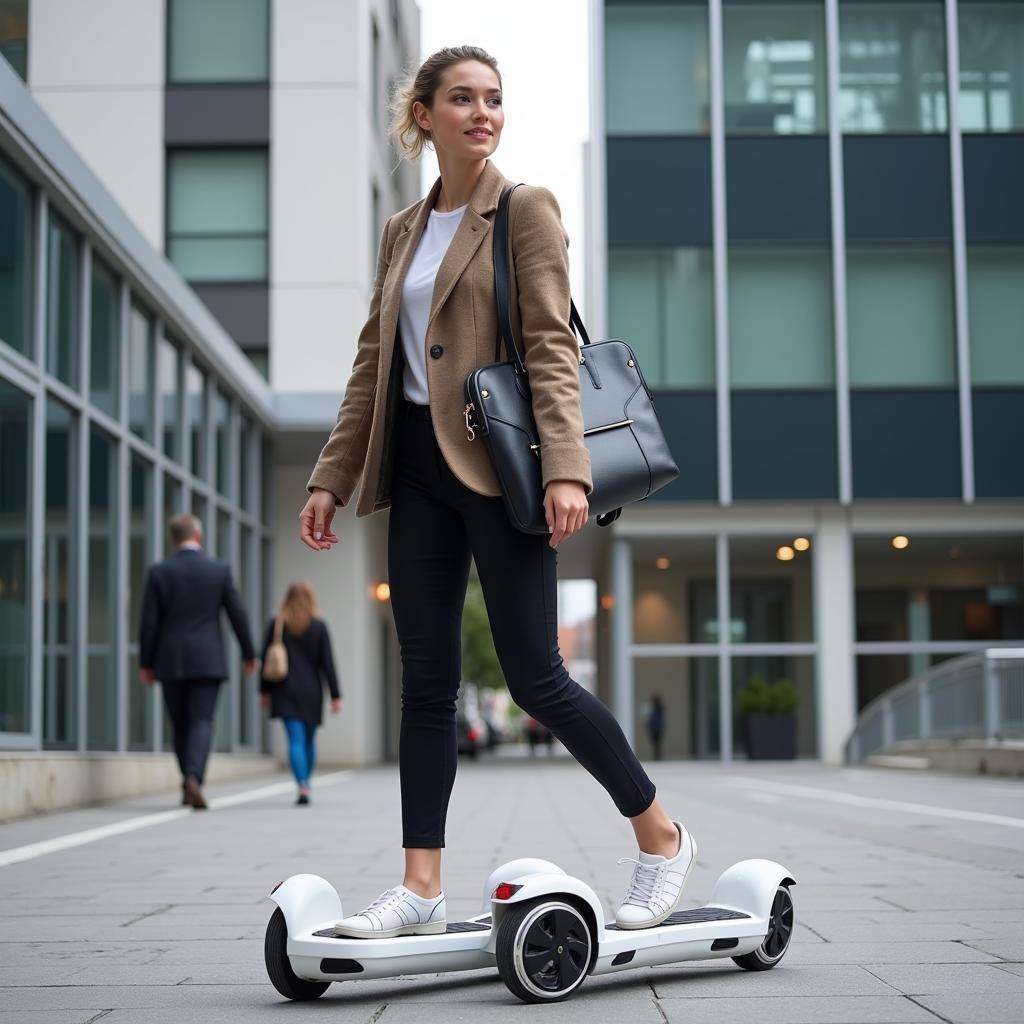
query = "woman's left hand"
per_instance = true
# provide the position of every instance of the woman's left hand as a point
(335, 707)
(566, 509)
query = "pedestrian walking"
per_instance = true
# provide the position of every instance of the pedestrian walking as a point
(432, 320)
(180, 644)
(304, 657)
(654, 719)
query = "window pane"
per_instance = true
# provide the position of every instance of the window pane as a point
(218, 40)
(140, 373)
(228, 694)
(774, 67)
(780, 318)
(168, 375)
(15, 441)
(196, 397)
(247, 691)
(892, 67)
(675, 591)
(760, 736)
(247, 445)
(222, 425)
(901, 317)
(995, 301)
(217, 214)
(103, 350)
(661, 302)
(14, 35)
(991, 67)
(771, 590)
(656, 69)
(260, 358)
(687, 691)
(62, 303)
(15, 261)
(140, 698)
(60, 719)
(101, 699)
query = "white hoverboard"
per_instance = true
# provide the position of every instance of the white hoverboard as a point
(544, 930)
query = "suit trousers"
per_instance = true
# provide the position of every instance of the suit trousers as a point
(190, 705)
(436, 525)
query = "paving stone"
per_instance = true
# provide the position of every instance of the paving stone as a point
(697, 980)
(885, 953)
(800, 1010)
(926, 979)
(976, 1007)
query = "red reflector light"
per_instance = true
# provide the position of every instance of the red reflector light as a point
(506, 891)
(474, 735)
(276, 887)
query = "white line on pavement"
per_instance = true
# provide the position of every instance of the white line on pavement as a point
(832, 796)
(91, 835)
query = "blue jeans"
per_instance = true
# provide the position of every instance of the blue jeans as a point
(301, 748)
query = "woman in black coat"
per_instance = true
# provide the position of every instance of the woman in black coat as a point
(298, 698)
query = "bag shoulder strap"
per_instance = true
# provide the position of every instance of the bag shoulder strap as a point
(278, 628)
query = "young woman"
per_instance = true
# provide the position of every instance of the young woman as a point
(432, 320)
(298, 699)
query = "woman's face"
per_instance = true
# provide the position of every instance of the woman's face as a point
(467, 117)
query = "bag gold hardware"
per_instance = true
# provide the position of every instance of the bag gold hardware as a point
(470, 432)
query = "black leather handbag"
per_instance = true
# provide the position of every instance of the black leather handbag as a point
(629, 457)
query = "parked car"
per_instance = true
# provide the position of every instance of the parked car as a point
(537, 734)
(470, 726)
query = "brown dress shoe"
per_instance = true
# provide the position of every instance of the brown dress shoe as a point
(194, 795)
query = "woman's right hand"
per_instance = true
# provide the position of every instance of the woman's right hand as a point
(315, 521)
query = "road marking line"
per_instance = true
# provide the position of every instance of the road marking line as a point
(831, 796)
(16, 854)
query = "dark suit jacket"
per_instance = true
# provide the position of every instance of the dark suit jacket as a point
(310, 664)
(179, 635)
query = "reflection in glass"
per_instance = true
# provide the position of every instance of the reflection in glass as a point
(140, 698)
(195, 385)
(780, 318)
(101, 694)
(771, 598)
(14, 35)
(656, 69)
(774, 66)
(661, 301)
(674, 591)
(15, 440)
(688, 690)
(103, 345)
(900, 312)
(227, 41)
(60, 698)
(222, 425)
(228, 692)
(995, 304)
(140, 373)
(62, 302)
(247, 693)
(795, 673)
(15, 261)
(991, 67)
(892, 67)
(168, 387)
(247, 444)
(173, 504)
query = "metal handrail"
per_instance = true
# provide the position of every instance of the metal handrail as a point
(976, 696)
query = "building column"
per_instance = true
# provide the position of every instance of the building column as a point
(622, 635)
(834, 614)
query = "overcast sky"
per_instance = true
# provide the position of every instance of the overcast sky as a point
(542, 51)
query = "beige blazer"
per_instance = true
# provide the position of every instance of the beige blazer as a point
(463, 321)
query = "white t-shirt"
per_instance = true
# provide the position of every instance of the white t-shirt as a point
(417, 292)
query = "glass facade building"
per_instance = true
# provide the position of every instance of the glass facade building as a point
(815, 242)
(121, 404)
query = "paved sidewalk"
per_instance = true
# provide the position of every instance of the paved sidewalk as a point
(909, 902)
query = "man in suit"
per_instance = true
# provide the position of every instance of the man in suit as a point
(180, 644)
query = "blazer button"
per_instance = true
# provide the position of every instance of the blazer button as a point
(436, 351)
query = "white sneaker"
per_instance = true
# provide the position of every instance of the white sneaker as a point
(657, 885)
(396, 911)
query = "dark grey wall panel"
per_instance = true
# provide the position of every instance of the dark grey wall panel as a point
(777, 189)
(784, 445)
(906, 443)
(994, 187)
(998, 442)
(897, 188)
(659, 190)
(217, 115)
(242, 309)
(688, 419)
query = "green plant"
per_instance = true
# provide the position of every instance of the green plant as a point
(479, 659)
(760, 697)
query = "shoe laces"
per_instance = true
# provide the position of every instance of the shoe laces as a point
(387, 899)
(645, 879)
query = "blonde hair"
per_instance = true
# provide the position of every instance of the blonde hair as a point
(299, 607)
(421, 84)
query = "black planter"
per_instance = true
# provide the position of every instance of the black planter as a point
(770, 737)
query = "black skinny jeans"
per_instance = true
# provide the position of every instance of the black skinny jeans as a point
(436, 524)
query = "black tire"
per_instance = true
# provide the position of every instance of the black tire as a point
(543, 950)
(282, 977)
(776, 941)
